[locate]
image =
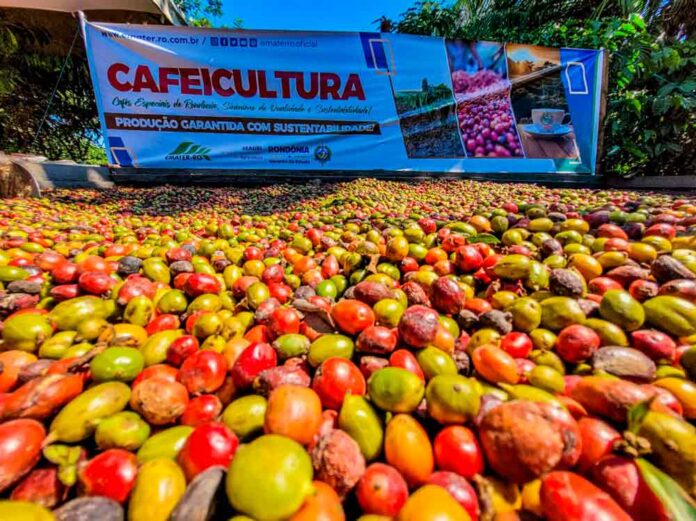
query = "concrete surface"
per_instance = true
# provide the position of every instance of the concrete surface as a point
(48, 175)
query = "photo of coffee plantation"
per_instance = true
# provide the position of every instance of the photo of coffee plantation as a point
(429, 122)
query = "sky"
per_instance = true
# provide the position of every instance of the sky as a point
(327, 15)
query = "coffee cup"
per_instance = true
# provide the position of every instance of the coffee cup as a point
(548, 119)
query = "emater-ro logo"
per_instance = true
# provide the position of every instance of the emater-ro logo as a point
(188, 151)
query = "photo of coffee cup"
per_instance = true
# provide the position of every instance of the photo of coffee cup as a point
(548, 120)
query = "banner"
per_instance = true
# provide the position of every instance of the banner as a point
(187, 98)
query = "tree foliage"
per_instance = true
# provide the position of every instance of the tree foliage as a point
(198, 12)
(650, 124)
(69, 130)
(29, 72)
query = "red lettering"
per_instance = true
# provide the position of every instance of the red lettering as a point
(165, 81)
(284, 78)
(313, 85)
(354, 88)
(191, 81)
(250, 90)
(330, 85)
(264, 91)
(227, 82)
(207, 85)
(112, 75)
(218, 76)
(143, 80)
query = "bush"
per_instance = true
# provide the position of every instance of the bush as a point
(28, 75)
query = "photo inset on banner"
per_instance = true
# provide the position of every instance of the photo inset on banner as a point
(424, 101)
(539, 102)
(482, 91)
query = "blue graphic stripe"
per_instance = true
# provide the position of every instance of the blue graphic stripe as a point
(375, 55)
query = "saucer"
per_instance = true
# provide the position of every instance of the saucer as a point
(537, 131)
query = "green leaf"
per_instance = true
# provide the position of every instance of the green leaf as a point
(67, 475)
(67, 458)
(661, 105)
(637, 20)
(192, 150)
(485, 238)
(674, 147)
(634, 104)
(636, 414)
(181, 148)
(672, 59)
(666, 89)
(627, 28)
(687, 86)
(689, 103)
(674, 499)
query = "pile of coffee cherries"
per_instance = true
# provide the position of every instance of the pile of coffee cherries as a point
(373, 350)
